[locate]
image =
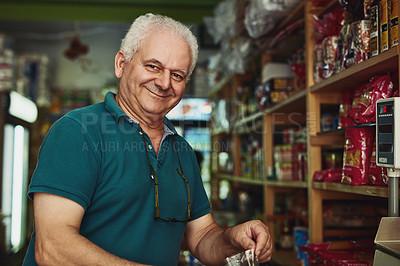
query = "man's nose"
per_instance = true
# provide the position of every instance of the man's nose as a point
(164, 80)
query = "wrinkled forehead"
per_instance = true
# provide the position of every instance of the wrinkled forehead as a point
(170, 49)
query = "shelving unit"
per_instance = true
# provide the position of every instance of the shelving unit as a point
(304, 108)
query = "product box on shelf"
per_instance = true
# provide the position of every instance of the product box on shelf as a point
(384, 24)
(375, 29)
(394, 24)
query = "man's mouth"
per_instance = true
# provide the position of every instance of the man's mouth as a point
(158, 92)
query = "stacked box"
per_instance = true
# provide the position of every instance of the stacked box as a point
(394, 25)
(374, 36)
(384, 24)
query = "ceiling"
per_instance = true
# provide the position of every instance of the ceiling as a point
(186, 11)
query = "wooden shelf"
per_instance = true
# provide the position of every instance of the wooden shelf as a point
(240, 179)
(356, 75)
(295, 103)
(375, 191)
(219, 131)
(287, 184)
(224, 81)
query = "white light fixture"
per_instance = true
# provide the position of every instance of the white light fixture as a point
(22, 107)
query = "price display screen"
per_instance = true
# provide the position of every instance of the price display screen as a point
(386, 109)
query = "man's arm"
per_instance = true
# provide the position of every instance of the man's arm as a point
(58, 242)
(212, 244)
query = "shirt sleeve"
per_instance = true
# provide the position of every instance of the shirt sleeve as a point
(68, 165)
(201, 205)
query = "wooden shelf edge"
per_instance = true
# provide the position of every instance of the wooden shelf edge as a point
(243, 180)
(375, 191)
(288, 102)
(250, 118)
(361, 71)
(219, 131)
(219, 85)
(288, 184)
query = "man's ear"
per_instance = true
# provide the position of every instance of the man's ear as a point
(119, 63)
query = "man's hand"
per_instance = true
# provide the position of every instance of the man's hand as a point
(211, 244)
(252, 235)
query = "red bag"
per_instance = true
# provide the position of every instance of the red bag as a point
(345, 119)
(357, 155)
(378, 88)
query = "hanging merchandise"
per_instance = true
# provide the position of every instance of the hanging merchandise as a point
(6, 65)
(32, 78)
(257, 20)
(223, 24)
(261, 16)
(237, 61)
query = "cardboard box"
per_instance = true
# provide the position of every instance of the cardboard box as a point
(384, 24)
(394, 24)
(374, 37)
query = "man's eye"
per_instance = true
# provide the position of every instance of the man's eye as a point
(177, 76)
(153, 67)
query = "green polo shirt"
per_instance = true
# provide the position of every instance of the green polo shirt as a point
(96, 157)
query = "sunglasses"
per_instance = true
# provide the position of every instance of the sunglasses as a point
(153, 177)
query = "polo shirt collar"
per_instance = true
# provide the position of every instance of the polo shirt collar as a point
(113, 108)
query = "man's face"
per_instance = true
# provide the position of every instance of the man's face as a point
(154, 81)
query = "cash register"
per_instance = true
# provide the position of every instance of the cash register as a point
(387, 239)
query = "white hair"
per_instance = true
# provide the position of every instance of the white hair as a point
(142, 26)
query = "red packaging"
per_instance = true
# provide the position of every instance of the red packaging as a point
(333, 175)
(330, 175)
(378, 88)
(357, 155)
(345, 119)
(357, 98)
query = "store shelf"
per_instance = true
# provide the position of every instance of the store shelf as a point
(295, 103)
(250, 124)
(359, 73)
(334, 137)
(287, 184)
(374, 191)
(222, 83)
(219, 131)
(242, 180)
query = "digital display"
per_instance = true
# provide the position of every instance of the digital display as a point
(385, 147)
(385, 128)
(386, 109)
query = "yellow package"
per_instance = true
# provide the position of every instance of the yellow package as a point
(394, 24)
(384, 25)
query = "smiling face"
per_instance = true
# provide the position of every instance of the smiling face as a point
(154, 80)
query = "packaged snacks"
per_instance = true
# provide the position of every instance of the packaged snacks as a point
(357, 155)
(356, 43)
(345, 119)
(318, 63)
(329, 47)
(329, 175)
(378, 88)
(384, 24)
(394, 24)
(375, 28)
(339, 253)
